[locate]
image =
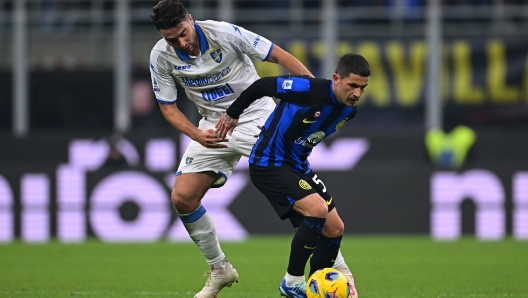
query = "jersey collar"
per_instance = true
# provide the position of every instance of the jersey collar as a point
(204, 43)
(332, 95)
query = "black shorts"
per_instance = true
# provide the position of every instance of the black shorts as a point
(282, 187)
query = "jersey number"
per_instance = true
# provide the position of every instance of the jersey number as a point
(317, 181)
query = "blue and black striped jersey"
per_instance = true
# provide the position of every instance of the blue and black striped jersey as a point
(308, 111)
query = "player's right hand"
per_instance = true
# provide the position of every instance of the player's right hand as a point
(209, 139)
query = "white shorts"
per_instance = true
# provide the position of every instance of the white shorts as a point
(198, 158)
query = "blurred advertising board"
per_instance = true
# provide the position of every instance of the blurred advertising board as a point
(62, 187)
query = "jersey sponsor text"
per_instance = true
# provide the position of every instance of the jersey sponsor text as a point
(217, 93)
(206, 79)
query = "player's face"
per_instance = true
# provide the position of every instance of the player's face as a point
(182, 37)
(348, 90)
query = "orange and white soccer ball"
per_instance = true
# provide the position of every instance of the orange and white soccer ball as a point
(327, 283)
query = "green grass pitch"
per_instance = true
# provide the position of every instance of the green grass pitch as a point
(383, 266)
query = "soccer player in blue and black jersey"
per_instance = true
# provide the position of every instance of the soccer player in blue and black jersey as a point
(309, 110)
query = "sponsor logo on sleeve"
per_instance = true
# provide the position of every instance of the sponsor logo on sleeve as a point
(287, 84)
(153, 69)
(155, 86)
(236, 29)
(255, 43)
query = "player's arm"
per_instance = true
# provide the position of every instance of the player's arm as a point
(288, 62)
(178, 120)
(165, 91)
(262, 87)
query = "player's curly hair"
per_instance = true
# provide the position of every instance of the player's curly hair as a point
(352, 63)
(168, 13)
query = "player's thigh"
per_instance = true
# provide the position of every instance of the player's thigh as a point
(312, 205)
(320, 187)
(281, 186)
(193, 186)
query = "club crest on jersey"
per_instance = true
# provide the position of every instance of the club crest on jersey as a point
(304, 185)
(216, 54)
(317, 114)
(189, 160)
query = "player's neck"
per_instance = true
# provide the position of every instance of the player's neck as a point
(196, 51)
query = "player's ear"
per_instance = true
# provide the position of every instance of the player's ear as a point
(335, 78)
(191, 19)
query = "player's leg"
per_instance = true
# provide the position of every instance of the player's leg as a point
(342, 266)
(328, 245)
(313, 209)
(292, 197)
(327, 249)
(200, 169)
(188, 191)
(325, 253)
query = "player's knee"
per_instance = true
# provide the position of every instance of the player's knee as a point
(184, 201)
(319, 210)
(333, 229)
(182, 195)
(336, 230)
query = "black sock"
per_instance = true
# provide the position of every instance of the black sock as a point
(325, 253)
(303, 244)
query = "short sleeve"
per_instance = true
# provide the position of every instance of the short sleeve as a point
(251, 44)
(163, 84)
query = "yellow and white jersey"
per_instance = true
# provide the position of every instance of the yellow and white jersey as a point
(217, 76)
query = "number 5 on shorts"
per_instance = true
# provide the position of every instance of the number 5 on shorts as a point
(317, 181)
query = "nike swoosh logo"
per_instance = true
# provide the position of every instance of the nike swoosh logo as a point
(305, 120)
(308, 247)
(329, 202)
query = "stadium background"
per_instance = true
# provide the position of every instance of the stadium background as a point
(74, 80)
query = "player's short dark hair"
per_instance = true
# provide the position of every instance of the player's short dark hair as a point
(353, 63)
(168, 13)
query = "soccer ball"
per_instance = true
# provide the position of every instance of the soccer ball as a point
(327, 283)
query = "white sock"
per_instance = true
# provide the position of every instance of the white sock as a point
(340, 264)
(293, 280)
(202, 230)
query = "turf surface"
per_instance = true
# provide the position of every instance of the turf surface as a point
(391, 266)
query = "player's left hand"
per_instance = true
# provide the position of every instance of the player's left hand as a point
(225, 126)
